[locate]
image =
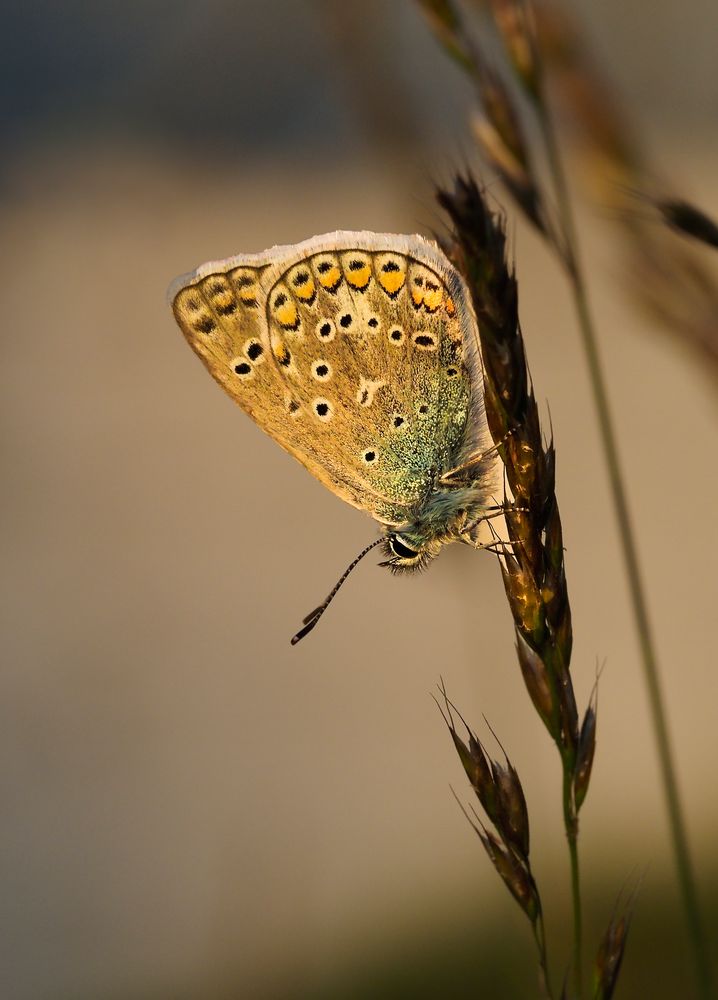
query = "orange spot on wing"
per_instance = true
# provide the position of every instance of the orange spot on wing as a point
(245, 283)
(432, 298)
(392, 281)
(331, 278)
(306, 290)
(248, 297)
(287, 315)
(359, 278)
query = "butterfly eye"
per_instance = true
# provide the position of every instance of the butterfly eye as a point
(401, 550)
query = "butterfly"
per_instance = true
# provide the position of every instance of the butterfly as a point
(359, 353)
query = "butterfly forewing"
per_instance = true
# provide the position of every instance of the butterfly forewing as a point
(350, 352)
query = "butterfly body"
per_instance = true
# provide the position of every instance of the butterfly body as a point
(359, 354)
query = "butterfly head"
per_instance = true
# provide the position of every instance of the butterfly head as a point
(442, 518)
(413, 548)
(406, 551)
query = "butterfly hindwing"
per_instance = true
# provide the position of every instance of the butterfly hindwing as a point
(221, 311)
(355, 351)
(221, 315)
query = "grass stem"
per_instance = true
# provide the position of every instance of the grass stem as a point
(571, 825)
(540, 936)
(684, 868)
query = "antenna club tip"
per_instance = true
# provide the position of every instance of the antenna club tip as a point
(313, 617)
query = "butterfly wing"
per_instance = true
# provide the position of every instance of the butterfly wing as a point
(221, 311)
(357, 352)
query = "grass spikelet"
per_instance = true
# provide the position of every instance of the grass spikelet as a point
(610, 955)
(532, 566)
(516, 24)
(498, 788)
(585, 753)
(498, 128)
(686, 218)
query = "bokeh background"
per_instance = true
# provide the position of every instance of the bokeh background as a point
(191, 808)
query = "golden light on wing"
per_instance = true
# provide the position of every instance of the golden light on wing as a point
(350, 357)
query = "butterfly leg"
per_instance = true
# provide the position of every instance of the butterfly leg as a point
(463, 473)
(497, 510)
(492, 545)
(469, 533)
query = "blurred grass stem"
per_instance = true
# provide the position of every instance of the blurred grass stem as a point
(570, 821)
(635, 584)
(540, 938)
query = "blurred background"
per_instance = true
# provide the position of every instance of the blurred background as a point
(191, 808)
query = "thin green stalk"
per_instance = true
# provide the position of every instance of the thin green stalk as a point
(645, 636)
(570, 821)
(539, 930)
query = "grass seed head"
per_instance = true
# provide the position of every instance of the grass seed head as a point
(584, 755)
(514, 818)
(515, 22)
(515, 875)
(610, 957)
(443, 19)
(538, 684)
(533, 569)
(689, 220)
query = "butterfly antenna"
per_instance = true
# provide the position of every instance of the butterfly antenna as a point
(313, 617)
